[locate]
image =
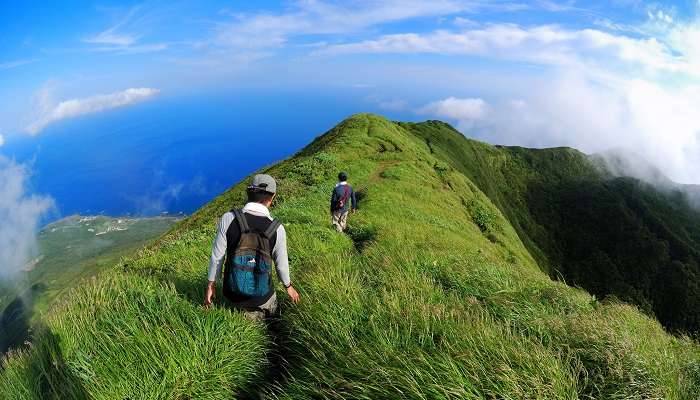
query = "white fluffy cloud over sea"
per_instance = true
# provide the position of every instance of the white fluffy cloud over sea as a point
(51, 111)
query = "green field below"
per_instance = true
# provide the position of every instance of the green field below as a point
(441, 288)
(68, 252)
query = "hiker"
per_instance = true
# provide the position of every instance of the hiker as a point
(250, 239)
(341, 197)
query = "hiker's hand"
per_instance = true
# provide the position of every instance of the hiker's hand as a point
(293, 294)
(209, 294)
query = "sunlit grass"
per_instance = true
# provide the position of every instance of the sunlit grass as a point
(128, 337)
(430, 295)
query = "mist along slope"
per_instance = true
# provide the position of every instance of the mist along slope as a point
(431, 294)
(69, 250)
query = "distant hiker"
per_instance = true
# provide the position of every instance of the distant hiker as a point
(341, 197)
(251, 239)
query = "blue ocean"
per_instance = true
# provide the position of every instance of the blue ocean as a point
(170, 155)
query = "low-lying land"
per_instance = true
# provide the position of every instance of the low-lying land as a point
(69, 251)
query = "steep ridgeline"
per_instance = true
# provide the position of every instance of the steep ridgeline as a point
(582, 221)
(435, 292)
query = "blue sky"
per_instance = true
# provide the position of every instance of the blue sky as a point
(588, 74)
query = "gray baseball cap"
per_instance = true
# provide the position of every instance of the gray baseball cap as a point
(263, 182)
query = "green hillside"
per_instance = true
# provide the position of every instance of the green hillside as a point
(68, 251)
(436, 291)
(581, 221)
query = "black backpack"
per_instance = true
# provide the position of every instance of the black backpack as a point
(248, 272)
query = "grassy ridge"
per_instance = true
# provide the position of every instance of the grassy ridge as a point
(431, 294)
(506, 174)
(610, 235)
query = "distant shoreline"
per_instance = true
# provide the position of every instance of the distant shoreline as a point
(81, 217)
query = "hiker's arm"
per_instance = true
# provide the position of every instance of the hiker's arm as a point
(279, 253)
(218, 248)
(218, 252)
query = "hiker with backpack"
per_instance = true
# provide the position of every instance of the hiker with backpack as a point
(250, 239)
(341, 197)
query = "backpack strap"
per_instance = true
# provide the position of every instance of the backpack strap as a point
(242, 222)
(272, 228)
(346, 194)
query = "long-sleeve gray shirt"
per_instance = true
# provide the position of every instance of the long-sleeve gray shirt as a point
(279, 251)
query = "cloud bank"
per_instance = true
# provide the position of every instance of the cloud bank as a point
(20, 214)
(466, 111)
(90, 105)
(2, 140)
(657, 122)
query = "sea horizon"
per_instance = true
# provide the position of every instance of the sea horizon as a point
(149, 159)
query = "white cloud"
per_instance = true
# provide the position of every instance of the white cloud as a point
(558, 6)
(108, 37)
(546, 44)
(15, 64)
(112, 35)
(464, 22)
(2, 140)
(114, 39)
(466, 111)
(261, 33)
(301, 22)
(262, 30)
(659, 15)
(658, 123)
(132, 49)
(20, 215)
(76, 107)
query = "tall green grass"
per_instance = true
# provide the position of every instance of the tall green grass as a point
(430, 295)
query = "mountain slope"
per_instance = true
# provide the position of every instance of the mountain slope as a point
(74, 248)
(584, 222)
(431, 294)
